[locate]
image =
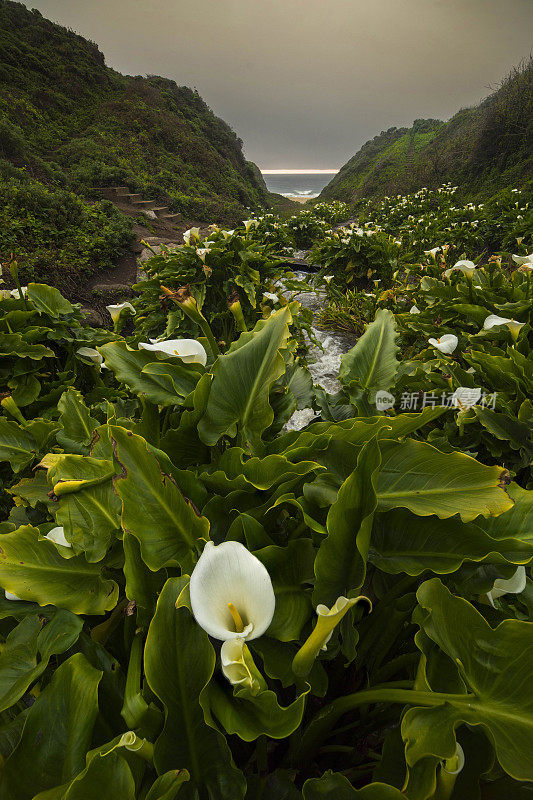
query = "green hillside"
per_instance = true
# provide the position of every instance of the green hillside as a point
(73, 123)
(480, 149)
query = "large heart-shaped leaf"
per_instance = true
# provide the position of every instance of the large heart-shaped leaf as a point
(33, 568)
(241, 383)
(153, 507)
(495, 666)
(417, 476)
(341, 560)
(371, 364)
(403, 542)
(57, 733)
(179, 662)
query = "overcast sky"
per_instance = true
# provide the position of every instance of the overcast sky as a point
(306, 82)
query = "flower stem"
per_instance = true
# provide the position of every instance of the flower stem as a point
(308, 743)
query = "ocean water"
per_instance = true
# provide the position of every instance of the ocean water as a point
(297, 185)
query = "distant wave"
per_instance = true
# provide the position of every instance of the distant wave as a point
(298, 193)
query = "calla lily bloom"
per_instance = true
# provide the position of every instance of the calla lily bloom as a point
(446, 344)
(202, 252)
(231, 592)
(523, 259)
(466, 267)
(433, 252)
(454, 765)
(117, 309)
(414, 310)
(17, 295)
(271, 296)
(227, 234)
(234, 656)
(189, 350)
(250, 223)
(328, 619)
(513, 585)
(192, 233)
(328, 278)
(92, 354)
(56, 535)
(493, 320)
(465, 397)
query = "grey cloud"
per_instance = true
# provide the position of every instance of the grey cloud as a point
(306, 82)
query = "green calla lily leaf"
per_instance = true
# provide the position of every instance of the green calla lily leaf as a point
(169, 528)
(49, 755)
(33, 568)
(179, 662)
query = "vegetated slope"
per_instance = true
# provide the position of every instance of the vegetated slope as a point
(72, 122)
(480, 149)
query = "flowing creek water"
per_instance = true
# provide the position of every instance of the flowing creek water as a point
(323, 363)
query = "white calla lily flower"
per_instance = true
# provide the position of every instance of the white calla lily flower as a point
(250, 223)
(465, 397)
(189, 350)
(227, 234)
(5, 294)
(17, 295)
(201, 252)
(523, 259)
(192, 233)
(513, 585)
(493, 320)
(271, 296)
(445, 344)
(56, 535)
(414, 310)
(466, 267)
(92, 354)
(116, 310)
(433, 252)
(231, 592)
(328, 278)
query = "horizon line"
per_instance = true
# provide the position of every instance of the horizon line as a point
(298, 171)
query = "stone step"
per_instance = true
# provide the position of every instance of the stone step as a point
(144, 203)
(121, 191)
(170, 217)
(133, 197)
(160, 209)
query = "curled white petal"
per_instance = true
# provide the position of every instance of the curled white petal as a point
(465, 397)
(234, 666)
(228, 574)
(192, 233)
(493, 320)
(414, 310)
(189, 350)
(523, 259)
(91, 354)
(271, 296)
(513, 585)
(116, 310)
(446, 344)
(466, 267)
(453, 766)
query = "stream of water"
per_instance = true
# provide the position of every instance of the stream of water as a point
(323, 363)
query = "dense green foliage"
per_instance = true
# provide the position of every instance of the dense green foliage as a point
(480, 149)
(54, 234)
(72, 121)
(199, 604)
